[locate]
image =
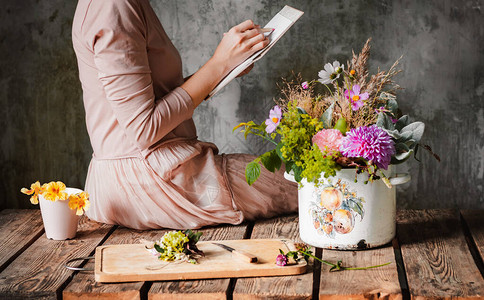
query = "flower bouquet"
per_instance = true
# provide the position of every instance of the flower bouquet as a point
(60, 206)
(354, 122)
(337, 136)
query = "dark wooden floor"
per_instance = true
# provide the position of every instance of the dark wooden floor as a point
(438, 254)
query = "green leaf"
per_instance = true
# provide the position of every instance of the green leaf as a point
(416, 129)
(402, 122)
(341, 125)
(158, 248)
(193, 236)
(392, 105)
(394, 134)
(403, 156)
(278, 150)
(384, 121)
(327, 116)
(252, 172)
(271, 161)
(246, 133)
(301, 111)
(288, 166)
(406, 135)
(403, 152)
(238, 126)
(297, 172)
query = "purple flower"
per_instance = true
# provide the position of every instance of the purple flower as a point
(356, 99)
(371, 143)
(274, 119)
(281, 260)
(305, 85)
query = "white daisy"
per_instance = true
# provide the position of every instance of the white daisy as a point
(331, 72)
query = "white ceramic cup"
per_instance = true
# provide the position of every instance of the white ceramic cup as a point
(60, 222)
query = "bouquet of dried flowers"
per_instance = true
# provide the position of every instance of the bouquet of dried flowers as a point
(354, 122)
(54, 191)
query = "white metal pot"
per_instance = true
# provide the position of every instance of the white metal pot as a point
(60, 222)
(348, 215)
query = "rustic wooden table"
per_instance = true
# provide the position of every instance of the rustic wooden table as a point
(438, 254)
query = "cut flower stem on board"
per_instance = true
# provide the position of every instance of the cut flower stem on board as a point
(283, 258)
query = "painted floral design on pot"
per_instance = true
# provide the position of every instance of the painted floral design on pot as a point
(334, 209)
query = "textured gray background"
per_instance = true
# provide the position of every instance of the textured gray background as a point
(43, 136)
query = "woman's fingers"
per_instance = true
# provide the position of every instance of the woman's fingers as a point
(248, 24)
(258, 42)
(251, 33)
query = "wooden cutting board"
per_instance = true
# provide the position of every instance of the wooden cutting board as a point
(132, 262)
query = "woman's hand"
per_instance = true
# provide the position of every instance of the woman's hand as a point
(240, 42)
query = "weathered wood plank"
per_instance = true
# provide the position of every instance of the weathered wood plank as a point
(200, 289)
(39, 271)
(437, 261)
(284, 287)
(360, 284)
(18, 230)
(83, 285)
(475, 222)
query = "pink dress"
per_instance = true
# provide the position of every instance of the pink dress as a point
(148, 169)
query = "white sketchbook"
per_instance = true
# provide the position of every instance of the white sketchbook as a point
(281, 22)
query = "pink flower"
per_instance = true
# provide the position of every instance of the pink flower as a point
(305, 85)
(275, 115)
(371, 143)
(356, 99)
(328, 140)
(281, 260)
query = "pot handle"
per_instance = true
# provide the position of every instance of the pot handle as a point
(400, 178)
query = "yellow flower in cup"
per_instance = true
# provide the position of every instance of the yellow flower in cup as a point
(80, 202)
(35, 190)
(54, 191)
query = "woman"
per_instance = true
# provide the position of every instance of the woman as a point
(148, 169)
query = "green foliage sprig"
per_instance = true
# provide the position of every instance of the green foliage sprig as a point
(303, 250)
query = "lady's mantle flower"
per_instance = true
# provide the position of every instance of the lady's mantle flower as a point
(275, 115)
(328, 140)
(281, 260)
(356, 99)
(305, 85)
(371, 143)
(54, 191)
(331, 72)
(35, 191)
(173, 245)
(79, 202)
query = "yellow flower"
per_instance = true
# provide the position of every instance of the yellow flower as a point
(35, 189)
(54, 191)
(80, 202)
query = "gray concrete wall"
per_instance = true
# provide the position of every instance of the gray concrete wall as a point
(43, 136)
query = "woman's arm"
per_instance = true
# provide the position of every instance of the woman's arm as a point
(116, 34)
